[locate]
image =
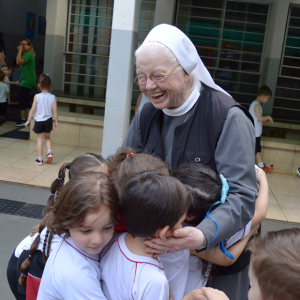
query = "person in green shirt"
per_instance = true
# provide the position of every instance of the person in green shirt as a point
(28, 77)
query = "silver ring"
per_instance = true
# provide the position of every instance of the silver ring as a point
(167, 251)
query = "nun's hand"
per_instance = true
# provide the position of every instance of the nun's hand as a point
(183, 238)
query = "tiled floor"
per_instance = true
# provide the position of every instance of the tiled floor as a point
(17, 165)
(17, 160)
(284, 200)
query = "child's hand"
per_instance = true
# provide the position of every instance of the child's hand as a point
(270, 119)
(171, 296)
(213, 294)
(27, 123)
(195, 295)
(56, 125)
(260, 175)
(8, 101)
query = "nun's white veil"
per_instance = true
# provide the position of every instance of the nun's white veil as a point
(184, 50)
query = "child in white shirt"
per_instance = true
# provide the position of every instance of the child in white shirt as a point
(209, 189)
(84, 214)
(124, 164)
(255, 109)
(4, 97)
(43, 105)
(40, 243)
(152, 205)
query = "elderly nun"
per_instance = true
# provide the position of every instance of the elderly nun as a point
(192, 120)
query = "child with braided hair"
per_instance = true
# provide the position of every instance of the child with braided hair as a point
(83, 215)
(28, 260)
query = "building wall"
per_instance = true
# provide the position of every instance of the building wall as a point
(13, 18)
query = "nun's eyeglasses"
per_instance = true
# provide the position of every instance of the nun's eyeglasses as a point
(156, 77)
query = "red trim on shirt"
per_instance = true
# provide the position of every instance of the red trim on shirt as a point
(81, 252)
(108, 249)
(138, 262)
(134, 280)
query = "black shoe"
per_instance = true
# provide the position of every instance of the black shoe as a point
(39, 162)
(21, 123)
(298, 171)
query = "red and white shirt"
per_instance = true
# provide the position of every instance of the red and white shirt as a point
(127, 276)
(71, 273)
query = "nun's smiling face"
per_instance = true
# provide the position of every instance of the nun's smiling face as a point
(173, 90)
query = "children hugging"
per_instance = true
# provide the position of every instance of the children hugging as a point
(77, 234)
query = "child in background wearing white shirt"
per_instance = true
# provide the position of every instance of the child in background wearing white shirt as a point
(43, 105)
(255, 109)
(152, 205)
(84, 215)
(4, 97)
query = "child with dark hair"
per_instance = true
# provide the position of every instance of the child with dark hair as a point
(255, 109)
(40, 243)
(127, 162)
(83, 215)
(43, 105)
(209, 189)
(4, 97)
(152, 204)
(124, 164)
(274, 267)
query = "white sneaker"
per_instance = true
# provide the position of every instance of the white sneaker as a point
(298, 171)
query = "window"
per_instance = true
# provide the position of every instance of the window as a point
(87, 48)
(229, 37)
(145, 25)
(287, 97)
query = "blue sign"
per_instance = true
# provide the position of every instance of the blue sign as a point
(42, 25)
(30, 28)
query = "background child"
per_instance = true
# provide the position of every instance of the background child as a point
(43, 105)
(255, 109)
(152, 204)
(40, 243)
(274, 268)
(4, 97)
(84, 215)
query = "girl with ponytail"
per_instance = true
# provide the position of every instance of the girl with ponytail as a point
(29, 258)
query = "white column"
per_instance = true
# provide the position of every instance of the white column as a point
(164, 12)
(120, 74)
(57, 16)
(274, 46)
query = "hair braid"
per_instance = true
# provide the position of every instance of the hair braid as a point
(26, 263)
(49, 245)
(55, 187)
(44, 246)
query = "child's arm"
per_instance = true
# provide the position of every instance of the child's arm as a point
(55, 111)
(6, 80)
(262, 201)
(260, 118)
(216, 256)
(32, 111)
(8, 97)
